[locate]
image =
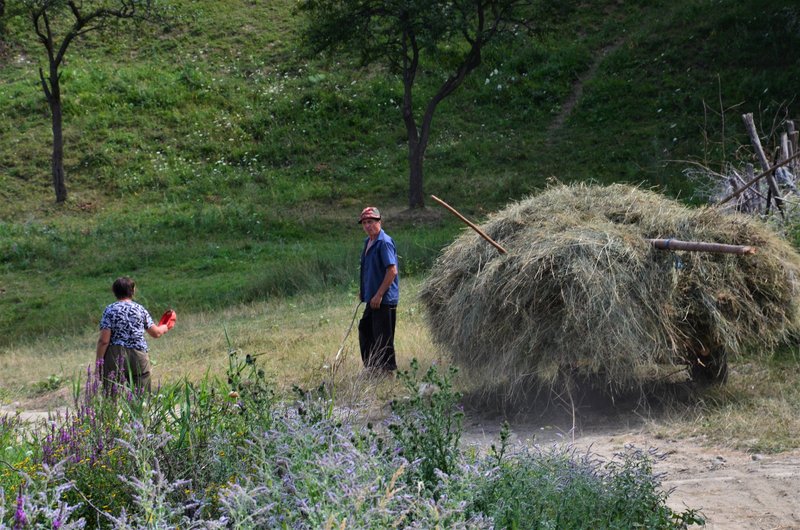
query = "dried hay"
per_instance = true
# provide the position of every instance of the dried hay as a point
(581, 293)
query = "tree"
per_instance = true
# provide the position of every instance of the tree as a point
(396, 33)
(71, 18)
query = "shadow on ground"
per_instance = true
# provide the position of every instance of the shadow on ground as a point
(584, 411)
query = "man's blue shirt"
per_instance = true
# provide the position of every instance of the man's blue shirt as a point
(381, 255)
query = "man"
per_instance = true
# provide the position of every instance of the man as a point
(380, 289)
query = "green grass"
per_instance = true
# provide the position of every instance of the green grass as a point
(295, 336)
(215, 162)
(57, 281)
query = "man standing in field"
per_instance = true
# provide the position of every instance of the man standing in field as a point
(380, 289)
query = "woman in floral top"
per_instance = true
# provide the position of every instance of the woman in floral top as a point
(121, 348)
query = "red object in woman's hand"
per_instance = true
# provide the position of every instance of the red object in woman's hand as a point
(169, 317)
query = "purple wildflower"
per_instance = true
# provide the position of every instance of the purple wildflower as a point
(20, 519)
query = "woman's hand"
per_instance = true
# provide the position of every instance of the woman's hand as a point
(169, 318)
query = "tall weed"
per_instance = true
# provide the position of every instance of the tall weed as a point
(427, 424)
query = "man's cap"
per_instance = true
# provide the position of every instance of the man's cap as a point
(370, 212)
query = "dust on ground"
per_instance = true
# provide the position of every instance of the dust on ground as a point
(42, 407)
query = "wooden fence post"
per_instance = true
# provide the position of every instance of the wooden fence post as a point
(794, 136)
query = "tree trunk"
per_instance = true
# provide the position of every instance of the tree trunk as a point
(415, 192)
(418, 138)
(58, 154)
(54, 99)
(416, 147)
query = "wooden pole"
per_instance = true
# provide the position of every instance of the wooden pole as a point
(699, 246)
(480, 232)
(793, 147)
(786, 149)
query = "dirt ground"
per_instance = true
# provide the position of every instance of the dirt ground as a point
(732, 489)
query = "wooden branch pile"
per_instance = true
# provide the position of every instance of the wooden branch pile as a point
(776, 180)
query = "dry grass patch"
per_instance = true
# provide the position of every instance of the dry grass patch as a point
(726, 415)
(296, 341)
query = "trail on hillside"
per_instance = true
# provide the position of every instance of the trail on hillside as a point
(577, 90)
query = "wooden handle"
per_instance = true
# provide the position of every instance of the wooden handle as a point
(452, 210)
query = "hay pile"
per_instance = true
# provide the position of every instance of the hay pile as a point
(581, 292)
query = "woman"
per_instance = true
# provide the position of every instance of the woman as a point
(121, 348)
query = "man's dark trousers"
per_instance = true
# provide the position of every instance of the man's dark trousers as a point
(376, 337)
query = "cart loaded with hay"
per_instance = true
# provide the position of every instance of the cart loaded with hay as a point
(583, 283)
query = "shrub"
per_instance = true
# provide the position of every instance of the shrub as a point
(427, 424)
(39, 502)
(226, 454)
(18, 454)
(559, 488)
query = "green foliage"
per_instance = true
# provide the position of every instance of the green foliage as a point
(428, 424)
(225, 454)
(52, 383)
(558, 488)
(194, 431)
(394, 31)
(403, 35)
(250, 391)
(17, 454)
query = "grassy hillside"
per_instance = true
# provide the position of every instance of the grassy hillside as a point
(216, 162)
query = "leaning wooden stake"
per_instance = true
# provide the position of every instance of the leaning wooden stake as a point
(699, 246)
(762, 158)
(481, 233)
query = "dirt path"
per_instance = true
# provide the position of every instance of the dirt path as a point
(733, 489)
